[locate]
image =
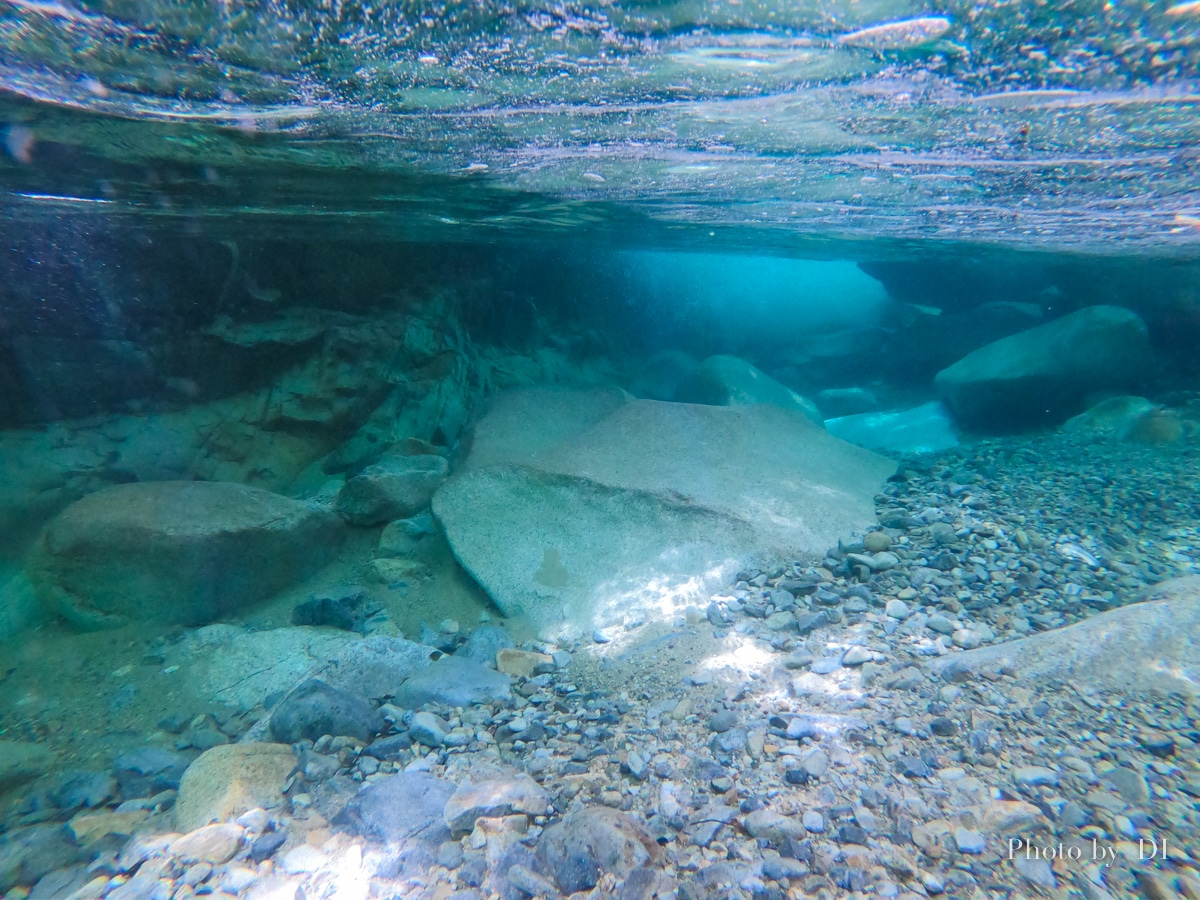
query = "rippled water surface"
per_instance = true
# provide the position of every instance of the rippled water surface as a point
(1065, 125)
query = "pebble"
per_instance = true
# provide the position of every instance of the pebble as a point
(723, 721)
(816, 763)
(877, 542)
(897, 609)
(856, 656)
(814, 822)
(825, 665)
(1035, 775)
(969, 841)
(967, 638)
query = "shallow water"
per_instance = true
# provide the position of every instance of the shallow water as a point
(808, 391)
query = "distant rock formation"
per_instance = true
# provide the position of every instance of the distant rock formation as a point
(1042, 376)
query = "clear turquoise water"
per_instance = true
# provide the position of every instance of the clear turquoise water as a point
(748, 124)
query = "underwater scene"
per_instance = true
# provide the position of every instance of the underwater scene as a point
(599, 449)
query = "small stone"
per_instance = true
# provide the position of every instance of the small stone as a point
(801, 727)
(776, 828)
(516, 795)
(723, 721)
(520, 663)
(856, 656)
(825, 665)
(1035, 775)
(852, 834)
(779, 621)
(877, 542)
(636, 765)
(966, 639)
(428, 729)
(214, 844)
(1158, 744)
(1036, 871)
(943, 727)
(881, 562)
(450, 854)
(897, 609)
(315, 708)
(969, 841)
(814, 821)
(940, 624)
(721, 784)
(816, 763)
(913, 767)
(1129, 784)
(265, 845)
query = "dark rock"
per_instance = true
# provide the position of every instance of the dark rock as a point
(149, 770)
(388, 748)
(403, 807)
(913, 767)
(396, 487)
(265, 845)
(342, 610)
(851, 834)
(1041, 376)
(29, 854)
(314, 709)
(943, 727)
(591, 841)
(85, 789)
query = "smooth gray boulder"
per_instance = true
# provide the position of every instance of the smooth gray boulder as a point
(404, 807)
(730, 381)
(1043, 375)
(649, 507)
(314, 709)
(454, 681)
(396, 487)
(176, 551)
(1151, 645)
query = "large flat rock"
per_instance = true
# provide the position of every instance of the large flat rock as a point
(176, 551)
(1152, 645)
(1042, 376)
(647, 508)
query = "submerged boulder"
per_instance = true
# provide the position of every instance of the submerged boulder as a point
(646, 507)
(176, 551)
(1041, 376)
(396, 487)
(226, 781)
(923, 429)
(730, 381)
(1110, 417)
(1152, 645)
